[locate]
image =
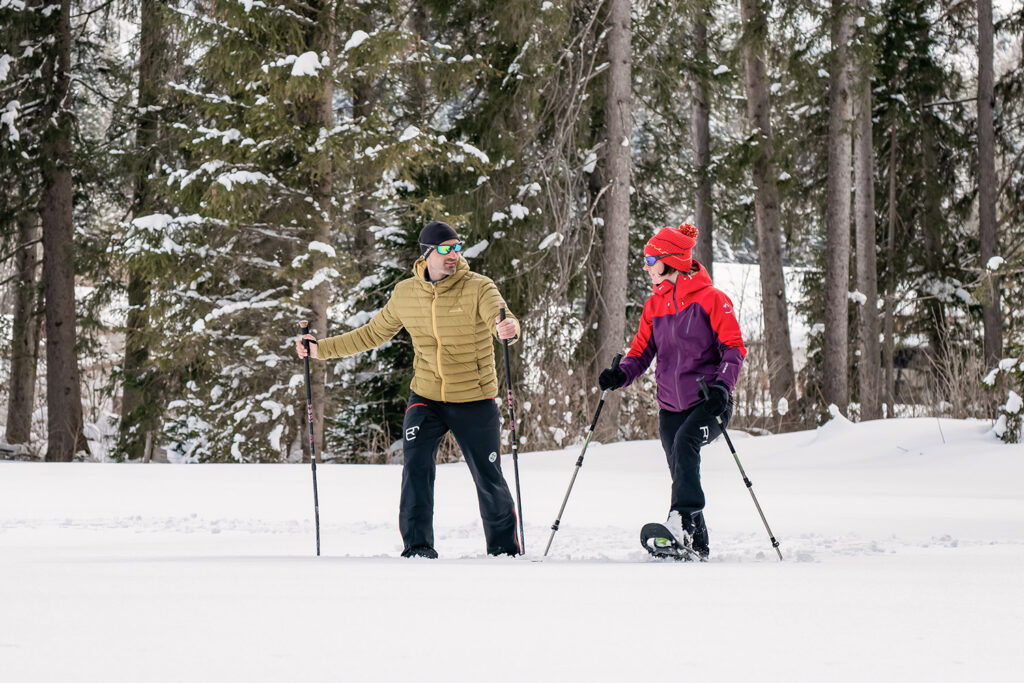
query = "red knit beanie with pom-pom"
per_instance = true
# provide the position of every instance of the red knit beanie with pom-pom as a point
(678, 242)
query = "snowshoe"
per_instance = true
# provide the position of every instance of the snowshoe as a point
(659, 542)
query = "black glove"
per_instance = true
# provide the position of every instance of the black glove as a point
(717, 399)
(611, 378)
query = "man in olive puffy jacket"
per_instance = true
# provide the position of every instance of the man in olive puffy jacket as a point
(452, 315)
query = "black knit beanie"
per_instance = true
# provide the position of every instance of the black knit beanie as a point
(433, 233)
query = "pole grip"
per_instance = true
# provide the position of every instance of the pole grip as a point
(703, 388)
(501, 313)
(616, 360)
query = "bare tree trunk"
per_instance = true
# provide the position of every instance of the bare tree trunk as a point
(611, 333)
(24, 333)
(779, 352)
(869, 367)
(835, 381)
(322, 191)
(890, 298)
(140, 407)
(63, 386)
(700, 137)
(987, 229)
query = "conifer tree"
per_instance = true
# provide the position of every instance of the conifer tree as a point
(240, 246)
(869, 361)
(837, 242)
(773, 292)
(700, 134)
(63, 392)
(19, 218)
(1009, 93)
(141, 402)
(923, 153)
(987, 188)
(25, 326)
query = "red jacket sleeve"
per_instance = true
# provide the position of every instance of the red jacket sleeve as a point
(730, 340)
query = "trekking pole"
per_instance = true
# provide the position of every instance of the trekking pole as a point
(579, 462)
(515, 446)
(750, 487)
(304, 326)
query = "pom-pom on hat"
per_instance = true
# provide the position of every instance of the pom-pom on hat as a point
(678, 242)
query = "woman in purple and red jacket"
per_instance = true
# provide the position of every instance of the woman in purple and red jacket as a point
(691, 327)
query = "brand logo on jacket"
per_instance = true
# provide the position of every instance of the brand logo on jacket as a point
(493, 456)
(727, 308)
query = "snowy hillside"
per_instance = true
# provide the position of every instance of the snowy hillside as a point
(903, 539)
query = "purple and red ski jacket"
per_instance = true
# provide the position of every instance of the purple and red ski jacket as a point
(691, 327)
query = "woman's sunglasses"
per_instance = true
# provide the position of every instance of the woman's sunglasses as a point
(651, 260)
(445, 249)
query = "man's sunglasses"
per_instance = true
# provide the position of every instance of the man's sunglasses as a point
(651, 260)
(445, 249)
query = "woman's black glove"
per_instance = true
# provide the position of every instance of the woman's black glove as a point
(611, 378)
(717, 400)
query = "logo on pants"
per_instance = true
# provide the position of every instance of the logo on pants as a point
(410, 433)
(705, 432)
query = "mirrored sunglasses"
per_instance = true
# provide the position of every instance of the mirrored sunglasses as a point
(445, 249)
(651, 260)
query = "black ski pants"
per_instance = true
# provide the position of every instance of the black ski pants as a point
(476, 428)
(682, 435)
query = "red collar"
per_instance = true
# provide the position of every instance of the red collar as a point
(684, 284)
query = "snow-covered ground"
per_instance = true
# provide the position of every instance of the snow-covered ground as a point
(904, 547)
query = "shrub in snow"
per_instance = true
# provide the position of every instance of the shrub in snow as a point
(1008, 376)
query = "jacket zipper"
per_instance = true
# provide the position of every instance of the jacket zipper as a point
(678, 361)
(433, 322)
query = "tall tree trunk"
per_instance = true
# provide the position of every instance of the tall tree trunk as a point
(24, 333)
(987, 232)
(140, 406)
(611, 333)
(835, 381)
(933, 227)
(63, 385)
(890, 288)
(700, 137)
(779, 352)
(322, 192)
(869, 367)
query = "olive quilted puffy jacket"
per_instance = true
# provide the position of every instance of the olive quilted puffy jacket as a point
(451, 323)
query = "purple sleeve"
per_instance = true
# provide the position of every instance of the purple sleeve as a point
(634, 366)
(642, 350)
(729, 369)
